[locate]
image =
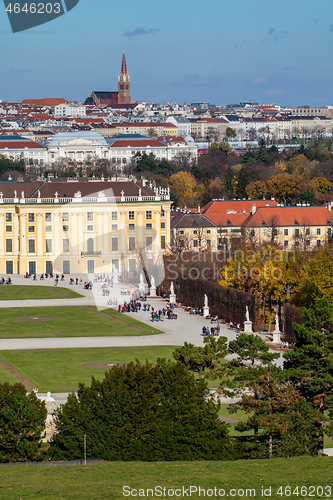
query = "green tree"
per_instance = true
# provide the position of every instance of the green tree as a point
(284, 423)
(22, 422)
(230, 133)
(250, 348)
(201, 358)
(142, 412)
(309, 365)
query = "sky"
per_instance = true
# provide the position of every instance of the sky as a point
(217, 51)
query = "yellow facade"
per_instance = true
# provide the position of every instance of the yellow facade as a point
(45, 235)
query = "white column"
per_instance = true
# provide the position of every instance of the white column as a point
(123, 249)
(40, 235)
(106, 232)
(99, 232)
(157, 242)
(2, 234)
(56, 234)
(74, 249)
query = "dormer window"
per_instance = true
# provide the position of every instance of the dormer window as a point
(296, 223)
(263, 223)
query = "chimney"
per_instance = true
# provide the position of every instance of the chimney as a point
(198, 209)
(254, 208)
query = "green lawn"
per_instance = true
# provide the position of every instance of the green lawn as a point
(68, 321)
(106, 480)
(35, 292)
(6, 376)
(60, 370)
(241, 417)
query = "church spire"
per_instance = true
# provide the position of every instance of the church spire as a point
(123, 65)
(124, 93)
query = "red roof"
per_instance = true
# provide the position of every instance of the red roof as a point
(52, 101)
(20, 145)
(221, 207)
(138, 144)
(227, 219)
(291, 216)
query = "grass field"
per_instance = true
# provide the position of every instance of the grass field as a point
(35, 292)
(60, 370)
(68, 321)
(105, 481)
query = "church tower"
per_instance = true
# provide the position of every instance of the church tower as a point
(124, 94)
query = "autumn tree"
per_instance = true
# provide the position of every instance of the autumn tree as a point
(284, 188)
(230, 133)
(256, 190)
(183, 186)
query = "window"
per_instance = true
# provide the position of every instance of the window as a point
(181, 232)
(297, 233)
(307, 231)
(307, 243)
(162, 213)
(31, 229)
(195, 232)
(90, 245)
(31, 217)
(65, 228)
(8, 217)
(286, 243)
(131, 227)
(9, 229)
(114, 244)
(131, 215)
(65, 245)
(9, 245)
(66, 266)
(48, 245)
(131, 243)
(318, 243)
(149, 215)
(48, 229)
(65, 217)
(209, 243)
(90, 216)
(329, 231)
(252, 232)
(162, 242)
(90, 228)
(195, 243)
(9, 267)
(31, 246)
(114, 227)
(318, 231)
(162, 225)
(149, 243)
(208, 231)
(264, 232)
(149, 226)
(48, 217)
(114, 215)
(286, 232)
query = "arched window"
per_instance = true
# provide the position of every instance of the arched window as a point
(90, 245)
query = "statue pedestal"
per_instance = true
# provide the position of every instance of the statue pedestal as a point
(248, 327)
(172, 298)
(205, 311)
(142, 287)
(152, 291)
(276, 337)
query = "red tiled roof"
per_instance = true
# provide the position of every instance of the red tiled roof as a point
(20, 145)
(286, 216)
(220, 207)
(222, 219)
(138, 144)
(51, 101)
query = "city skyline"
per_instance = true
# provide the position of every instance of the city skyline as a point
(247, 51)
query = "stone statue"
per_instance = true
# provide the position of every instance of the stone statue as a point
(206, 301)
(22, 195)
(15, 194)
(38, 193)
(77, 194)
(141, 279)
(277, 323)
(101, 194)
(140, 192)
(172, 290)
(247, 314)
(152, 282)
(1, 195)
(56, 194)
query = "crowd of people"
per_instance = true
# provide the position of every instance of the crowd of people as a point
(6, 281)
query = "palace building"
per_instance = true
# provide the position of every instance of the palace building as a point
(75, 226)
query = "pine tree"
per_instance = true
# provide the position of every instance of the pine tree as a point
(22, 422)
